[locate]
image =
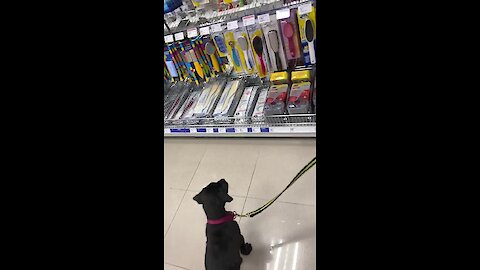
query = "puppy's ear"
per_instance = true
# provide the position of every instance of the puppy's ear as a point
(198, 198)
(223, 185)
(225, 197)
(223, 191)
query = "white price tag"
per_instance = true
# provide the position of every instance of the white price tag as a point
(241, 130)
(169, 39)
(221, 130)
(232, 25)
(193, 130)
(264, 18)
(204, 31)
(305, 8)
(166, 130)
(248, 20)
(256, 130)
(192, 32)
(283, 13)
(216, 28)
(209, 130)
(179, 36)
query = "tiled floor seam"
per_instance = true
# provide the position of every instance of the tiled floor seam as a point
(249, 197)
(185, 193)
(249, 185)
(176, 265)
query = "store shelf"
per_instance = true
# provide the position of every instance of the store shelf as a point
(255, 8)
(303, 125)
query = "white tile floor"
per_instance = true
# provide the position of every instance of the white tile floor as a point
(283, 237)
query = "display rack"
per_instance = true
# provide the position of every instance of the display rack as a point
(255, 8)
(299, 125)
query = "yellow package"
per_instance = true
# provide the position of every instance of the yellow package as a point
(259, 51)
(279, 77)
(301, 76)
(233, 50)
(245, 52)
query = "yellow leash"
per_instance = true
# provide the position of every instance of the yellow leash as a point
(259, 210)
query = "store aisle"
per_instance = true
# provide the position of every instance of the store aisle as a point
(283, 237)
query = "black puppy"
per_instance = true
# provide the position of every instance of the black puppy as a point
(224, 240)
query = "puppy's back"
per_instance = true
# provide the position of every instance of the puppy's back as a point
(223, 246)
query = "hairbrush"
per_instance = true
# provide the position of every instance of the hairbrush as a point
(274, 44)
(310, 34)
(258, 48)
(288, 32)
(244, 46)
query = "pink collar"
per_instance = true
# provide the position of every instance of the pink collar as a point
(228, 217)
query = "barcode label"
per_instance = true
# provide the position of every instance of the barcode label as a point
(216, 27)
(283, 13)
(179, 36)
(264, 18)
(232, 25)
(191, 33)
(305, 8)
(248, 20)
(169, 39)
(204, 31)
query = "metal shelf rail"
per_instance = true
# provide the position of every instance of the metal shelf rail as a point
(301, 125)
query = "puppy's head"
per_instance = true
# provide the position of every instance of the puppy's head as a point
(214, 194)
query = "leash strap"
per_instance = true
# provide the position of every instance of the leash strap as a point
(299, 174)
